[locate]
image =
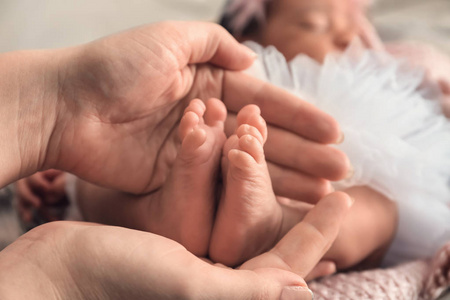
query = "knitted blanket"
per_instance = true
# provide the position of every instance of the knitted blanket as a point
(421, 280)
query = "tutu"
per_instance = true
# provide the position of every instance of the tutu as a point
(395, 134)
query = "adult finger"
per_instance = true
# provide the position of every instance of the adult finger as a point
(303, 247)
(263, 283)
(203, 42)
(280, 108)
(292, 151)
(322, 269)
(297, 186)
(288, 149)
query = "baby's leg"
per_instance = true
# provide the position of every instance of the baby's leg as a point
(187, 201)
(367, 230)
(249, 217)
(365, 235)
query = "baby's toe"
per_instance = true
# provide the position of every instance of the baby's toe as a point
(253, 147)
(192, 142)
(251, 115)
(240, 160)
(231, 143)
(188, 123)
(246, 129)
(196, 106)
(216, 113)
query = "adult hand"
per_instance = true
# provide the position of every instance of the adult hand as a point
(132, 88)
(89, 260)
(119, 100)
(109, 105)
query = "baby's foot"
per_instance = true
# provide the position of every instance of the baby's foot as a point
(188, 196)
(249, 217)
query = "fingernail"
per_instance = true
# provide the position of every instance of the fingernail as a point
(351, 172)
(252, 53)
(331, 189)
(296, 293)
(341, 139)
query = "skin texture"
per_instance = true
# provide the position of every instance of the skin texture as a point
(374, 216)
(122, 92)
(42, 195)
(119, 83)
(88, 85)
(250, 219)
(98, 86)
(184, 209)
(316, 28)
(156, 267)
(365, 235)
(294, 27)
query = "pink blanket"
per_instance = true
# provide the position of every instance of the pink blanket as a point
(424, 280)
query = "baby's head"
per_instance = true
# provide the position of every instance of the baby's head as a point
(312, 27)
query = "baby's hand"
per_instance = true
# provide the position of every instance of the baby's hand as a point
(41, 197)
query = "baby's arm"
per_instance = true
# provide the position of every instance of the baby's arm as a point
(366, 231)
(111, 207)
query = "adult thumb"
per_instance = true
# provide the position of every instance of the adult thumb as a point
(210, 43)
(267, 283)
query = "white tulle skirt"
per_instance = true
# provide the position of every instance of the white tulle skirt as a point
(395, 134)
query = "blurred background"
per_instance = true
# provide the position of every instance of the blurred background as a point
(32, 24)
(26, 24)
(414, 20)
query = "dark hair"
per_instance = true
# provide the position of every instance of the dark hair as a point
(226, 19)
